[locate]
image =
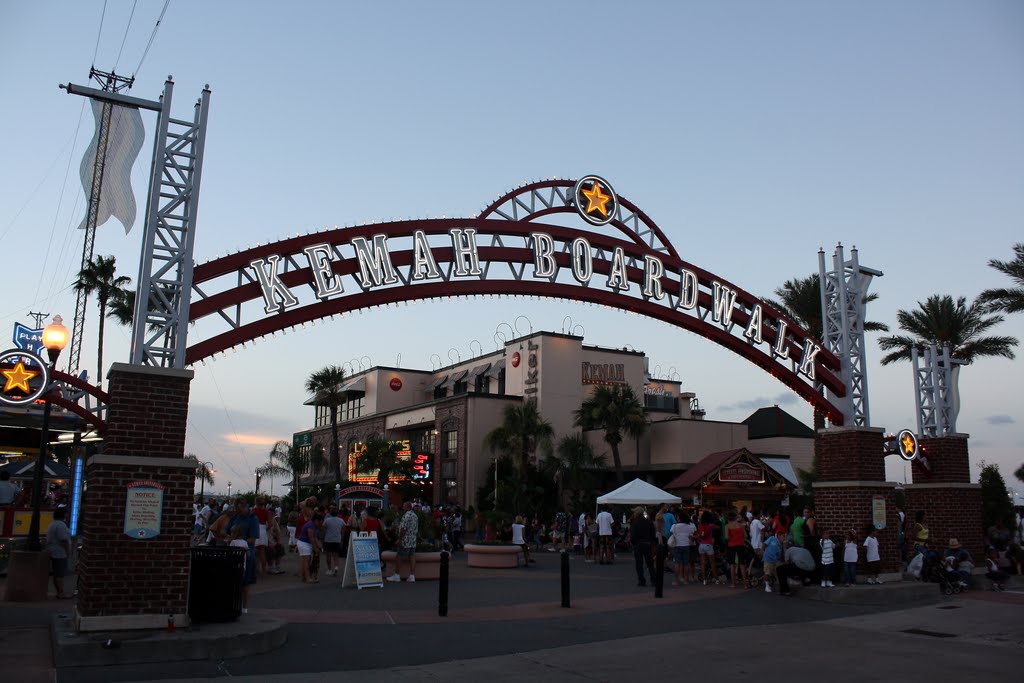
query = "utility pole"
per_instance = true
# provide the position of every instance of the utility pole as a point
(38, 317)
(110, 82)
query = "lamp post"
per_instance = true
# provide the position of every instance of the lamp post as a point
(203, 468)
(258, 477)
(55, 338)
(229, 489)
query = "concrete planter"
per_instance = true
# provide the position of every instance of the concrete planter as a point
(493, 556)
(428, 565)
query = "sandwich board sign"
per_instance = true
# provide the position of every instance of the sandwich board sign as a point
(362, 566)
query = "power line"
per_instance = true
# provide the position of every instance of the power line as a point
(60, 202)
(99, 33)
(156, 27)
(130, 17)
(231, 422)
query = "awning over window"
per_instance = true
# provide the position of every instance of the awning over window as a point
(454, 378)
(439, 381)
(355, 386)
(477, 371)
(496, 368)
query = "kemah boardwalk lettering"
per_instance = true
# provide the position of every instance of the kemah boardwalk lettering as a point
(362, 565)
(507, 250)
(604, 373)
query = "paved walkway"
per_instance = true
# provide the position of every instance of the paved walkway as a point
(509, 623)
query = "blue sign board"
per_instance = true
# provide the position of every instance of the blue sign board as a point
(27, 339)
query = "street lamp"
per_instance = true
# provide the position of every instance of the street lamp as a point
(203, 468)
(55, 338)
(258, 477)
(229, 489)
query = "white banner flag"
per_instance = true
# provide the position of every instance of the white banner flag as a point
(123, 145)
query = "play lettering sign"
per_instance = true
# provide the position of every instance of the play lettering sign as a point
(143, 509)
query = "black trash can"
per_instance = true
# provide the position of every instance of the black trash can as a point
(215, 584)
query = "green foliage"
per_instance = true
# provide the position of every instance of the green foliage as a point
(940, 320)
(100, 277)
(996, 505)
(1019, 473)
(616, 410)
(575, 468)
(522, 431)
(1007, 300)
(325, 386)
(529, 493)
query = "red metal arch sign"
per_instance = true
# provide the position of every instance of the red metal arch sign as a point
(621, 260)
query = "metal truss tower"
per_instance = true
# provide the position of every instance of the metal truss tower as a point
(110, 83)
(165, 270)
(844, 290)
(935, 388)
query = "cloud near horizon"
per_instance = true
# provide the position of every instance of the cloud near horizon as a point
(1000, 420)
(251, 439)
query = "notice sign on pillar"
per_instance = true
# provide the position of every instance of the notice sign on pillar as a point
(878, 512)
(143, 510)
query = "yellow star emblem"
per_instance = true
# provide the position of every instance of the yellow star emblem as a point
(908, 444)
(18, 377)
(597, 200)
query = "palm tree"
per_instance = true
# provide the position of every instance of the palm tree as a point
(617, 410)
(325, 385)
(285, 460)
(572, 464)
(520, 433)
(121, 308)
(100, 276)
(203, 473)
(800, 299)
(1007, 300)
(939, 320)
(381, 456)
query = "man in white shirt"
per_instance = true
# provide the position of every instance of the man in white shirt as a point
(605, 547)
(757, 535)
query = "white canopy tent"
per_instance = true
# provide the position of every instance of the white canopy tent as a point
(638, 492)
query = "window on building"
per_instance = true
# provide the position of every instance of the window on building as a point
(501, 381)
(482, 384)
(460, 388)
(440, 392)
(451, 490)
(303, 453)
(666, 403)
(448, 469)
(323, 416)
(425, 441)
(450, 444)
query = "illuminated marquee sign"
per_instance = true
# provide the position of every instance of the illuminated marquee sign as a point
(604, 373)
(370, 476)
(24, 377)
(741, 473)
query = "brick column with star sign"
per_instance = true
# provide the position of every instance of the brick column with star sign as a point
(130, 582)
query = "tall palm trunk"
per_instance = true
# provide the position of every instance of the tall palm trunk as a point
(99, 351)
(617, 459)
(335, 455)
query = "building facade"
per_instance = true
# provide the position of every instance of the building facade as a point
(446, 414)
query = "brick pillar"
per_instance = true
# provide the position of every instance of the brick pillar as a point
(942, 489)
(851, 473)
(125, 582)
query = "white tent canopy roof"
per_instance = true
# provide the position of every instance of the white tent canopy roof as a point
(638, 492)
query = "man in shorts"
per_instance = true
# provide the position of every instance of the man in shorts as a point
(408, 533)
(333, 528)
(605, 548)
(58, 546)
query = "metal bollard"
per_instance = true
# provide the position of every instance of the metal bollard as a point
(659, 571)
(442, 587)
(565, 578)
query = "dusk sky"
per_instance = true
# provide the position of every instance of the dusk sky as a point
(752, 133)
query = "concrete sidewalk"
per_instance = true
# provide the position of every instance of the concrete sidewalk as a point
(970, 642)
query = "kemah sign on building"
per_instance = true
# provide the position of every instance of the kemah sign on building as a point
(507, 250)
(604, 373)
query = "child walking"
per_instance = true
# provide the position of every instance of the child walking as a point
(850, 558)
(872, 556)
(828, 560)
